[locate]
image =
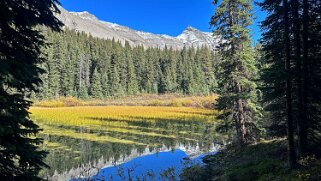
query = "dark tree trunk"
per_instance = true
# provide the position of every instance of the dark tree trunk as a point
(241, 117)
(305, 90)
(239, 113)
(301, 114)
(288, 86)
(242, 121)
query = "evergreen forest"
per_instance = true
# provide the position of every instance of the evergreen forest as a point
(86, 67)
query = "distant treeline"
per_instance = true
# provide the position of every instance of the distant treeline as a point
(82, 66)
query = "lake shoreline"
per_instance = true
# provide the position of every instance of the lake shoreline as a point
(265, 160)
(166, 100)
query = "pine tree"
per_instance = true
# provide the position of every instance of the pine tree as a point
(66, 67)
(20, 156)
(116, 88)
(238, 101)
(303, 86)
(96, 89)
(200, 87)
(105, 84)
(83, 92)
(310, 127)
(288, 43)
(275, 75)
(132, 84)
(184, 73)
(53, 68)
(83, 76)
(164, 83)
(172, 69)
(288, 87)
(149, 73)
(206, 61)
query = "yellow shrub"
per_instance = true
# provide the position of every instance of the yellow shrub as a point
(187, 103)
(52, 103)
(71, 101)
(156, 103)
(176, 103)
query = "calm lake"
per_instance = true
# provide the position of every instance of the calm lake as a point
(119, 143)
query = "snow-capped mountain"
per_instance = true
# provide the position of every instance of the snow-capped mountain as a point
(88, 23)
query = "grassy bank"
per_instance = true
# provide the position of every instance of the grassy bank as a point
(67, 121)
(173, 100)
(266, 160)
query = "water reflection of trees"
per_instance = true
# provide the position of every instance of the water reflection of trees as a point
(186, 133)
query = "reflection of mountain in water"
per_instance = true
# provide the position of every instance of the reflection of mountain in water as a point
(131, 137)
(158, 166)
(92, 168)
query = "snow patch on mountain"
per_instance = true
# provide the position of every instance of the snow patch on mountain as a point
(85, 15)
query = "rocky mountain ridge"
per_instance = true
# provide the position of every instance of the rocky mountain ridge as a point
(90, 24)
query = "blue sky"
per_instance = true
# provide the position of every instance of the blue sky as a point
(156, 16)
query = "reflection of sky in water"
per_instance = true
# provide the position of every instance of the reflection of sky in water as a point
(154, 163)
(80, 143)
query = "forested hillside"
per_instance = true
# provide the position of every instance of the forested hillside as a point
(86, 67)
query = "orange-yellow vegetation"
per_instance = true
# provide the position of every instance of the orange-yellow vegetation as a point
(173, 100)
(60, 121)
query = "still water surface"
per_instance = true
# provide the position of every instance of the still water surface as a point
(101, 142)
(157, 166)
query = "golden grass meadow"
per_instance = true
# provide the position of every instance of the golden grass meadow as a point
(62, 121)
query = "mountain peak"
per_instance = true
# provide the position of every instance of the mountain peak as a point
(190, 28)
(85, 15)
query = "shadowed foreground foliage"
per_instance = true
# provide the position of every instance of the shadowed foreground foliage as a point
(20, 43)
(266, 160)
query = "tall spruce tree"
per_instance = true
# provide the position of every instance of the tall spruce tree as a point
(310, 133)
(238, 100)
(184, 73)
(288, 85)
(20, 42)
(309, 130)
(96, 89)
(116, 88)
(132, 84)
(206, 60)
(276, 76)
(53, 60)
(152, 71)
(83, 75)
(291, 34)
